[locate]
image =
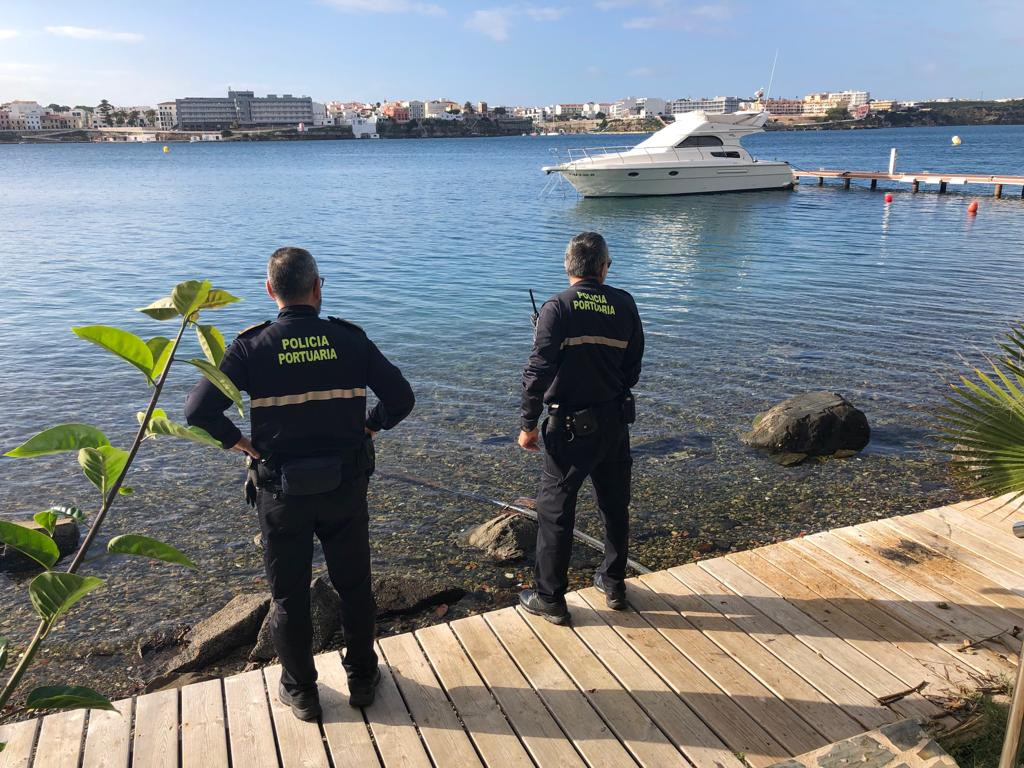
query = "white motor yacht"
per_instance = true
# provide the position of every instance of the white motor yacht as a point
(698, 153)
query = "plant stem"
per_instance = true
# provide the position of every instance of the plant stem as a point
(139, 437)
(44, 627)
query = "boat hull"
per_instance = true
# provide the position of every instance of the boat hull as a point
(694, 180)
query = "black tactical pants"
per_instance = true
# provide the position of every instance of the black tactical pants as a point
(340, 520)
(605, 458)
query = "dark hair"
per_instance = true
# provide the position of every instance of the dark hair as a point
(292, 273)
(586, 255)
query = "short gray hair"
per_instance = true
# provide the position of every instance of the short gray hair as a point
(292, 273)
(586, 255)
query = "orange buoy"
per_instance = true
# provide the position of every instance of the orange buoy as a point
(888, 197)
(972, 209)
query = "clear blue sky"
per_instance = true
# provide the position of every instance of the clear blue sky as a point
(134, 52)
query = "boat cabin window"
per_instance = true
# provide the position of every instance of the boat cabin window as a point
(725, 154)
(699, 141)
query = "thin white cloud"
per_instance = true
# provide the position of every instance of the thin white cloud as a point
(386, 6)
(495, 23)
(87, 33)
(641, 72)
(7, 34)
(671, 14)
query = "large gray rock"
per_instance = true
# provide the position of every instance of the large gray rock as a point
(403, 594)
(325, 611)
(505, 538)
(234, 625)
(812, 424)
(65, 536)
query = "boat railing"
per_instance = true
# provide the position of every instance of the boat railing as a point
(642, 154)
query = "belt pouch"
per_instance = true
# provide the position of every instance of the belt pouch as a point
(628, 409)
(584, 423)
(311, 475)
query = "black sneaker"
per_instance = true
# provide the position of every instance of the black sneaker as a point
(305, 705)
(533, 603)
(614, 595)
(362, 689)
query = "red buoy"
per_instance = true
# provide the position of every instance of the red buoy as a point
(888, 197)
(972, 209)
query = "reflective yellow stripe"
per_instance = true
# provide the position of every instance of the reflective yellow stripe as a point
(306, 397)
(577, 340)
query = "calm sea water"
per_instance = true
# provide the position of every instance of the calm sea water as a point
(431, 246)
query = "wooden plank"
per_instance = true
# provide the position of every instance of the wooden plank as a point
(442, 733)
(541, 735)
(348, 737)
(590, 734)
(250, 731)
(746, 712)
(596, 625)
(875, 595)
(393, 729)
(732, 649)
(628, 721)
(204, 740)
(19, 738)
(494, 738)
(999, 547)
(952, 615)
(850, 696)
(60, 739)
(871, 676)
(108, 739)
(1009, 580)
(792, 584)
(156, 730)
(956, 585)
(298, 742)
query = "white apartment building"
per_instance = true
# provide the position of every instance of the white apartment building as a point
(320, 117)
(592, 108)
(436, 108)
(30, 113)
(650, 106)
(417, 109)
(717, 105)
(362, 127)
(820, 103)
(166, 115)
(568, 110)
(623, 107)
(82, 118)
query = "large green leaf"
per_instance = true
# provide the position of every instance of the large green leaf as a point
(143, 546)
(66, 697)
(217, 298)
(159, 424)
(161, 349)
(189, 296)
(47, 520)
(102, 465)
(63, 437)
(161, 309)
(212, 342)
(31, 542)
(125, 345)
(3, 653)
(220, 380)
(54, 592)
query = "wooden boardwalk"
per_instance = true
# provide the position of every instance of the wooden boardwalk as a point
(754, 657)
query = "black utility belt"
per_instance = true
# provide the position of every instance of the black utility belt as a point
(310, 475)
(587, 421)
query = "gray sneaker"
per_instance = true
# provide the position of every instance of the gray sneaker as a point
(614, 594)
(533, 603)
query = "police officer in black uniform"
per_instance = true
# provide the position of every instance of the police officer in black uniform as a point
(586, 357)
(311, 455)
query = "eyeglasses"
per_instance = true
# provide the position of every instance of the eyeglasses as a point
(322, 281)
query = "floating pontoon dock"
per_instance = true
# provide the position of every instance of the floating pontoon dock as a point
(915, 180)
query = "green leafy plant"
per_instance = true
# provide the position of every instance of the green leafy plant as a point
(52, 593)
(983, 422)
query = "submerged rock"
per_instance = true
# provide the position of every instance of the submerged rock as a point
(65, 536)
(397, 594)
(325, 611)
(505, 538)
(811, 424)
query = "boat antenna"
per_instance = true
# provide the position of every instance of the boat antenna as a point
(771, 78)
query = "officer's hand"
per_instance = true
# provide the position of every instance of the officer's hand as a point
(244, 445)
(528, 439)
(371, 433)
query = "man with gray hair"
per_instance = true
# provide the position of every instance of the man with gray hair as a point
(587, 352)
(311, 456)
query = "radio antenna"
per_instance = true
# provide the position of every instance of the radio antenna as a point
(771, 78)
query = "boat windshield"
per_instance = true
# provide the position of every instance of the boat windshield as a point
(699, 141)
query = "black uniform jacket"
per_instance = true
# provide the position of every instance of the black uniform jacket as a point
(307, 379)
(587, 350)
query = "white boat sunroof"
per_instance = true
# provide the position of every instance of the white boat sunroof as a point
(735, 125)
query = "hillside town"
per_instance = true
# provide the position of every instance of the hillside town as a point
(215, 117)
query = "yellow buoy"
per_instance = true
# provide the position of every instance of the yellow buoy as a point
(166, 149)
(956, 141)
